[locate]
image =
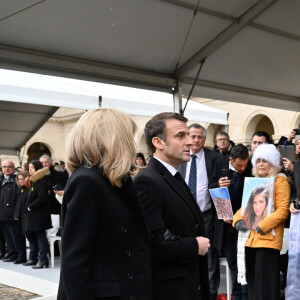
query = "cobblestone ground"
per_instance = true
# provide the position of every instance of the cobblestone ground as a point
(11, 293)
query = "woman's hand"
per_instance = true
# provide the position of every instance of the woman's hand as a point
(293, 210)
(288, 164)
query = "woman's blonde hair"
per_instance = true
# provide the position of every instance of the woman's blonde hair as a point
(103, 138)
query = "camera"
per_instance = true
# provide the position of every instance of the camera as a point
(225, 173)
(296, 203)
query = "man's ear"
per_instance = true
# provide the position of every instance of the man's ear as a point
(230, 159)
(158, 143)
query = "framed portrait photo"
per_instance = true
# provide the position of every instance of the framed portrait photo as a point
(257, 201)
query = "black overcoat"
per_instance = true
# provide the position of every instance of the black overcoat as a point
(8, 198)
(37, 214)
(20, 210)
(52, 179)
(178, 271)
(105, 241)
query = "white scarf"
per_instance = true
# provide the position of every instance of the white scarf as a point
(242, 240)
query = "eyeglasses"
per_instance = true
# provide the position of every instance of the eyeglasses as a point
(222, 140)
(7, 167)
(200, 137)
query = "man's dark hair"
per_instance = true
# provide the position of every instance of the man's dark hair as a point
(198, 126)
(222, 133)
(265, 134)
(157, 125)
(239, 151)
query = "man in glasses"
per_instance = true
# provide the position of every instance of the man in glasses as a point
(223, 143)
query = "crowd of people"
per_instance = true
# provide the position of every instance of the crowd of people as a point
(27, 200)
(136, 228)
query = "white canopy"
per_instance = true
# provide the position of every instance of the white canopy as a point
(24, 108)
(252, 47)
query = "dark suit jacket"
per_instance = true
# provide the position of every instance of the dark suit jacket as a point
(210, 159)
(105, 242)
(178, 272)
(236, 198)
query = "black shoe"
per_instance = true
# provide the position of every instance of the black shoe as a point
(41, 264)
(6, 256)
(2, 255)
(20, 261)
(10, 259)
(30, 262)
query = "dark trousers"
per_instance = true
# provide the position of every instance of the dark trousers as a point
(263, 273)
(212, 255)
(2, 242)
(38, 244)
(16, 244)
(230, 237)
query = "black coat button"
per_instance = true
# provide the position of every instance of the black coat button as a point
(129, 276)
(128, 253)
(199, 287)
(123, 229)
(132, 298)
(197, 226)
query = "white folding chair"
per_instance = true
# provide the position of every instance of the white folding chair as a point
(52, 239)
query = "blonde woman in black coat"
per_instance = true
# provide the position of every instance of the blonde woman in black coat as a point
(37, 216)
(105, 243)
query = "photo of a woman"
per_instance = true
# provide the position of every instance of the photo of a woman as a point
(257, 207)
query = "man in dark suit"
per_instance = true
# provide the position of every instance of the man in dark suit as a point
(204, 162)
(179, 245)
(236, 167)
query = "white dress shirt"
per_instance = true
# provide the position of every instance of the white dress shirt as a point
(203, 198)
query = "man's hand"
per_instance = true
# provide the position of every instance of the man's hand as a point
(203, 245)
(288, 164)
(224, 182)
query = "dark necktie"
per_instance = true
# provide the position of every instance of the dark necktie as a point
(193, 176)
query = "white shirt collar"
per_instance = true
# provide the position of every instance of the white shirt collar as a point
(197, 153)
(170, 168)
(231, 167)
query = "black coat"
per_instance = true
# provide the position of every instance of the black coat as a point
(21, 210)
(105, 242)
(236, 197)
(38, 217)
(52, 179)
(178, 271)
(8, 198)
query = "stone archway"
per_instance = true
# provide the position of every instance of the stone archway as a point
(259, 122)
(36, 150)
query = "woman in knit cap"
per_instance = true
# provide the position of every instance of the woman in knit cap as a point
(262, 248)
